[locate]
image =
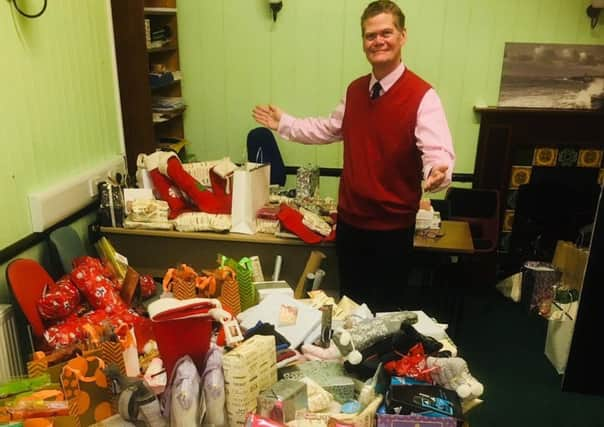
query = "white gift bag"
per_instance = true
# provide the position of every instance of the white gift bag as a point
(250, 192)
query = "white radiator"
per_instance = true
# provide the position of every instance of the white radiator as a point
(11, 364)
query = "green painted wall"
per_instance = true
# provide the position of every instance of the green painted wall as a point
(59, 111)
(233, 57)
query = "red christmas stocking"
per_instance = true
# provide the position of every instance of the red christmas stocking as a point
(292, 221)
(205, 200)
(168, 192)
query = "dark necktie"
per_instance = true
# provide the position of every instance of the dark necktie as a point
(375, 90)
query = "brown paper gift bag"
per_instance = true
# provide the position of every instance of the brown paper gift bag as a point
(84, 381)
(571, 260)
(53, 364)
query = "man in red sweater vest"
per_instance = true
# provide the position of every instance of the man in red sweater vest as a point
(396, 143)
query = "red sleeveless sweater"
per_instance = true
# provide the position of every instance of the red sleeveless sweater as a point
(381, 178)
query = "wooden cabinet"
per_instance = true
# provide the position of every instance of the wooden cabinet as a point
(513, 144)
(148, 66)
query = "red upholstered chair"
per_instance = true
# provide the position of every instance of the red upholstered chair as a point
(26, 279)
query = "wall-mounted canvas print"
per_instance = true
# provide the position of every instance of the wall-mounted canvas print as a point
(542, 75)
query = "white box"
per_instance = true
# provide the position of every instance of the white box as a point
(273, 287)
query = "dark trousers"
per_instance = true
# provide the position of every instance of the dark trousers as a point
(374, 265)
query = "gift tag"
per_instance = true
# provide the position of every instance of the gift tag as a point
(257, 274)
(121, 258)
(232, 331)
(288, 314)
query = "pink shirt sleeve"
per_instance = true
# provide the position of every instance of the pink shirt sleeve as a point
(433, 136)
(432, 132)
(313, 130)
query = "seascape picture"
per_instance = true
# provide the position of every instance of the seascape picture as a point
(564, 76)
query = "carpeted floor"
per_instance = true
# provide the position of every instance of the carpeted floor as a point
(504, 348)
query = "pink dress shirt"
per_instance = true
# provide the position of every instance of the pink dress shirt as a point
(432, 131)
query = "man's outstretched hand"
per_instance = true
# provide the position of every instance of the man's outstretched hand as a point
(267, 115)
(436, 178)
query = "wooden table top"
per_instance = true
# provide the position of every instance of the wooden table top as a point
(456, 238)
(210, 235)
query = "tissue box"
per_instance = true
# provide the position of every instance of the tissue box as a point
(282, 400)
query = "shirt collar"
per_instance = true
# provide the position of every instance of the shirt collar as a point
(389, 80)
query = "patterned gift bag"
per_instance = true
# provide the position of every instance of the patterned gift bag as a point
(112, 354)
(246, 288)
(181, 282)
(52, 364)
(183, 289)
(229, 296)
(84, 382)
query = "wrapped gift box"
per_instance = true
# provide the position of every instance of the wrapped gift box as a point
(329, 375)
(282, 400)
(341, 387)
(248, 369)
(414, 420)
(422, 399)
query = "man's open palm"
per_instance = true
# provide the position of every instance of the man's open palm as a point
(267, 115)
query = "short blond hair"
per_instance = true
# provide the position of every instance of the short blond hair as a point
(383, 6)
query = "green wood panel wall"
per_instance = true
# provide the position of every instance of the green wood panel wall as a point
(59, 111)
(233, 57)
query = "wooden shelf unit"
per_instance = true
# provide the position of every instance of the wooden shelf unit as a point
(135, 59)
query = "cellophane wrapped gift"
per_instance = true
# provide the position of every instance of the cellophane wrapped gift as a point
(329, 375)
(282, 400)
(111, 205)
(307, 181)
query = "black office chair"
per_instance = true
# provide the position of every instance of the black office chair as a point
(262, 148)
(481, 209)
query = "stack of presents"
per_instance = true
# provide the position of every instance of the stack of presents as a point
(213, 347)
(218, 346)
(218, 196)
